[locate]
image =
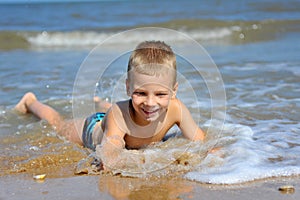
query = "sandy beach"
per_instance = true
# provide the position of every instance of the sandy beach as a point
(114, 187)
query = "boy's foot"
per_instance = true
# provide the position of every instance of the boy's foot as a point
(101, 105)
(26, 100)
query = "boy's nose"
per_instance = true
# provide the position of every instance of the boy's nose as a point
(150, 101)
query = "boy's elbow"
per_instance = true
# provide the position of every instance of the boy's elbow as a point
(200, 136)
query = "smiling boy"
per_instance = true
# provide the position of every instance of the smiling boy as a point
(144, 118)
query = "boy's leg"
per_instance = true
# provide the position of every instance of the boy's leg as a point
(30, 104)
(65, 128)
(72, 130)
(101, 105)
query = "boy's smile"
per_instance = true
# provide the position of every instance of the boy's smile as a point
(150, 96)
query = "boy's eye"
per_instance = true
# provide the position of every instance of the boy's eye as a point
(140, 93)
(161, 94)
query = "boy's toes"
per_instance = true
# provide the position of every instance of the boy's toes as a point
(97, 99)
(21, 108)
(26, 100)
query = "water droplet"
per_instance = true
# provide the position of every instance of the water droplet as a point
(34, 148)
(242, 36)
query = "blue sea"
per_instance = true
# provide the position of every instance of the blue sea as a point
(238, 71)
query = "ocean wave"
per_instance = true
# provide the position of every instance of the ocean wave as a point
(92, 38)
(230, 32)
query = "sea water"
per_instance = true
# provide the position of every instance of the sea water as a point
(254, 44)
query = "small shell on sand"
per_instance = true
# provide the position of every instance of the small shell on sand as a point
(39, 177)
(286, 189)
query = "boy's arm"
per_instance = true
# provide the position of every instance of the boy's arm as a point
(112, 143)
(187, 124)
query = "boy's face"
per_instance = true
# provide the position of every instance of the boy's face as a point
(150, 96)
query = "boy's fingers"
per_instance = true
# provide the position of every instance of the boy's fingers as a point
(215, 149)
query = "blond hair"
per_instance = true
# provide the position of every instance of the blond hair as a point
(153, 58)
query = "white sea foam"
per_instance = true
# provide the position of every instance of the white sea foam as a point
(92, 38)
(242, 174)
(245, 159)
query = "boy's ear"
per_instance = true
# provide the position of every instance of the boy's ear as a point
(175, 88)
(127, 88)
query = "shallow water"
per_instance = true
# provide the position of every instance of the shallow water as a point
(254, 46)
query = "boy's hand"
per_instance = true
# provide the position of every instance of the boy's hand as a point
(215, 149)
(110, 152)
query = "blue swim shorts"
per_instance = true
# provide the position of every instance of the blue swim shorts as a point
(88, 129)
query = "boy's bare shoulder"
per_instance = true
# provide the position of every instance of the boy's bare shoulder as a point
(122, 104)
(117, 114)
(174, 110)
(118, 107)
(175, 104)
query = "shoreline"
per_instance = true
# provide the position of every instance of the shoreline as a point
(115, 187)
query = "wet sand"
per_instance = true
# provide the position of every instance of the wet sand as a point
(114, 187)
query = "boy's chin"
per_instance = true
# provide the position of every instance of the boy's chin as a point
(152, 118)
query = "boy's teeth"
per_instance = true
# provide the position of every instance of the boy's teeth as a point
(149, 111)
